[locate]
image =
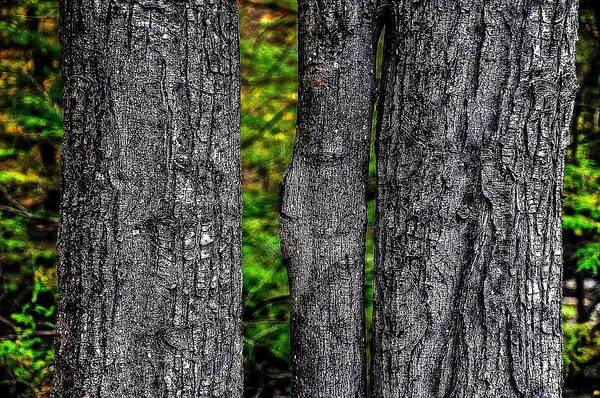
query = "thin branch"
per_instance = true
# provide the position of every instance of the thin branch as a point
(7, 322)
(37, 333)
(29, 215)
(22, 210)
(12, 200)
(44, 93)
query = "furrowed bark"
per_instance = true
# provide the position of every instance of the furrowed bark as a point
(476, 102)
(323, 206)
(149, 244)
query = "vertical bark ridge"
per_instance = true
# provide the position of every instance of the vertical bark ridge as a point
(476, 102)
(149, 245)
(323, 205)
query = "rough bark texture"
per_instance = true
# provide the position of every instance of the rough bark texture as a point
(149, 246)
(323, 205)
(476, 105)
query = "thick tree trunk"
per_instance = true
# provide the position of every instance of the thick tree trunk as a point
(149, 247)
(323, 205)
(476, 105)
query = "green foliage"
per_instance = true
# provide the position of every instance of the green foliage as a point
(27, 355)
(268, 54)
(581, 220)
(588, 258)
(581, 342)
(30, 135)
(582, 203)
(265, 279)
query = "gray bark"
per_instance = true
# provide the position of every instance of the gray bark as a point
(323, 205)
(149, 244)
(476, 104)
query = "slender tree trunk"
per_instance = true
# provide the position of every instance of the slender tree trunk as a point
(476, 105)
(323, 205)
(149, 246)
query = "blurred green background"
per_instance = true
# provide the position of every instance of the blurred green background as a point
(30, 137)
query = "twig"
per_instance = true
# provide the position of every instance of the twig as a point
(29, 215)
(54, 106)
(37, 333)
(20, 209)
(7, 322)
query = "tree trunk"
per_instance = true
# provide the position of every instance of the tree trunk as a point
(323, 205)
(476, 105)
(149, 243)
